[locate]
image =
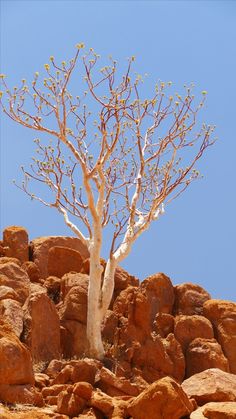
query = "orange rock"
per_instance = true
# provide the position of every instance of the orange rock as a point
(54, 367)
(112, 385)
(11, 275)
(7, 292)
(212, 385)
(16, 240)
(109, 326)
(6, 259)
(220, 410)
(70, 404)
(78, 370)
(203, 354)
(189, 299)
(159, 291)
(42, 328)
(62, 260)
(32, 270)
(55, 389)
(187, 328)
(11, 312)
(75, 303)
(25, 394)
(164, 398)
(222, 314)
(40, 250)
(164, 324)
(41, 380)
(53, 286)
(73, 339)
(15, 359)
(83, 389)
(102, 402)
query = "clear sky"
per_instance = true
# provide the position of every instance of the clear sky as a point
(182, 41)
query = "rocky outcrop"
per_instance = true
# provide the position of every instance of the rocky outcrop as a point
(211, 385)
(40, 248)
(15, 243)
(164, 398)
(41, 328)
(156, 336)
(222, 314)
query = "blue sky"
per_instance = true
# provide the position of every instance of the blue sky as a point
(182, 41)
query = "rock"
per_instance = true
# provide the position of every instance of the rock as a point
(78, 370)
(102, 402)
(32, 270)
(41, 328)
(16, 240)
(75, 303)
(6, 259)
(40, 250)
(11, 275)
(7, 293)
(83, 389)
(123, 280)
(37, 289)
(71, 280)
(112, 385)
(164, 324)
(70, 404)
(222, 314)
(158, 357)
(187, 328)
(203, 354)
(159, 291)
(62, 260)
(212, 385)
(11, 312)
(54, 367)
(220, 410)
(162, 399)
(15, 359)
(109, 325)
(53, 286)
(73, 339)
(26, 394)
(41, 380)
(189, 299)
(133, 305)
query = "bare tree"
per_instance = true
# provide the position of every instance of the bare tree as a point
(120, 168)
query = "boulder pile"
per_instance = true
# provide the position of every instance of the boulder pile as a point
(170, 350)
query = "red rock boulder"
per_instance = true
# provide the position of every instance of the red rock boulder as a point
(40, 250)
(15, 242)
(11, 275)
(41, 328)
(11, 312)
(162, 399)
(188, 328)
(222, 314)
(189, 299)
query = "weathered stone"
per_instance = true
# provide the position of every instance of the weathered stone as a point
(222, 314)
(53, 286)
(15, 239)
(6, 259)
(11, 275)
(70, 404)
(189, 299)
(83, 389)
(7, 293)
(162, 399)
(73, 339)
(212, 385)
(41, 328)
(15, 359)
(62, 260)
(109, 325)
(164, 324)
(112, 385)
(40, 250)
(203, 354)
(102, 402)
(187, 328)
(220, 410)
(159, 291)
(11, 312)
(75, 303)
(32, 270)
(25, 394)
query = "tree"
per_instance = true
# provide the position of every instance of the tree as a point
(120, 169)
